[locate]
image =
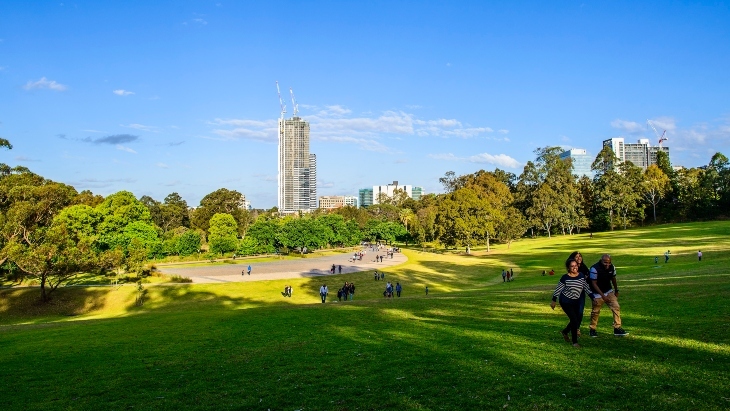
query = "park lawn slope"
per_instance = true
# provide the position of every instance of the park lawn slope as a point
(473, 343)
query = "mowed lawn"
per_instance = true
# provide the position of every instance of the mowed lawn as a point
(473, 343)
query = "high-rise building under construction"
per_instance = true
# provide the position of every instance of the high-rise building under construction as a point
(297, 167)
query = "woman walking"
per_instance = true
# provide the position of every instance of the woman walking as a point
(583, 269)
(569, 289)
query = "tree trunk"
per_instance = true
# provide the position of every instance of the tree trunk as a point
(654, 204)
(44, 296)
(487, 242)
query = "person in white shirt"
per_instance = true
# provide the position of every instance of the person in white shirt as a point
(699, 255)
(323, 292)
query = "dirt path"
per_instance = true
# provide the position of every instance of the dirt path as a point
(279, 270)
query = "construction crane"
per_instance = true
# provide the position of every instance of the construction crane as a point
(294, 102)
(661, 138)
(281, 102)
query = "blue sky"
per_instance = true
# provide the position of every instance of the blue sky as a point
(156, 97)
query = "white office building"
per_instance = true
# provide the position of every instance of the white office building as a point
(641, 153)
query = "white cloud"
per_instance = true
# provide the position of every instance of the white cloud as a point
(127, 149)
(162, 165)
(92, 131)
(363, 144)
(25, 159)
(501, 160)
(142, 127)
(503, 131)
(45, 83)
(334, 111)
(325, 184)
(122, 92)
(333, 123)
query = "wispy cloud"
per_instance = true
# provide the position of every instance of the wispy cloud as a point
(101, 183)
(196, 22)
(44, 83)
(92, 131)
(325, 184)
(335, 123)
(123, 148)
(264, 177)
(142, 127)
(501, 160)
(175, 143)
(162, 165)
(122, 92)
(25, 159)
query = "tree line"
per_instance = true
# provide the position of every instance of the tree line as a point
(50, 232)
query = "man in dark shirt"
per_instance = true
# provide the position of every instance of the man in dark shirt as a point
(603, 283)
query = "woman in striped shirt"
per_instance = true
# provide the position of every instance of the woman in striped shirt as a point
(569, 290)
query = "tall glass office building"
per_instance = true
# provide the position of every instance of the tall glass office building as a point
(581, 161)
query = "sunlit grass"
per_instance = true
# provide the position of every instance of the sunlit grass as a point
(473, 343)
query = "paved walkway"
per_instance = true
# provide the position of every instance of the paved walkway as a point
(279, 270)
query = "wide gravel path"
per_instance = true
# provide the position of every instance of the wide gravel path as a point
(279, 270)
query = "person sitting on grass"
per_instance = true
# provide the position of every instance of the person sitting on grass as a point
(570, 289)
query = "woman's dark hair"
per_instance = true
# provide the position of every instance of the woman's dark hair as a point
(567, 263)
(582, 267)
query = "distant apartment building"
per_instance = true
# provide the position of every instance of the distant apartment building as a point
(417, 193)
(365, 197)
(370, 196)
(641, 154)
(297, 175)
(332, 202)
(351, 201)
(581, 161)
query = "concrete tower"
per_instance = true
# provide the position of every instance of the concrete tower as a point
(297, 178)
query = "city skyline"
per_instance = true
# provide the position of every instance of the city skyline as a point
(157, 99)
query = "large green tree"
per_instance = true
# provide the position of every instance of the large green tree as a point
(654, 186)
(222, 236)
(222, 201)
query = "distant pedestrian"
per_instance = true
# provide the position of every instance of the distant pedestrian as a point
(656, 260)
(504, 276)
(377, 277)
(426, 290)
(243, 272)
(339, 295)
(666, 256)
(352, 291)
(249, 269)
(340, 269)
(543, 273)
(511, 274)
(398, 289)
(699, 255)
(382, 275)
(290, 289)
(332, 270)
(323, 291)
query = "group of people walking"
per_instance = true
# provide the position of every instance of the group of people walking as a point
(388, 293)
(347, 292)
(599, 283)
(507, 275)
(287, 291)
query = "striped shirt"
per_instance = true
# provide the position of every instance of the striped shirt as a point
(571, 287)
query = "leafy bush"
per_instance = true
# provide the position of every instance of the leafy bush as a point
(180, 279)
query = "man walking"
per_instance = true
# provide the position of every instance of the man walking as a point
(666, 257)
(323, 292)
(699, 255)
(603, 283)
(249, 269)
(398, 289)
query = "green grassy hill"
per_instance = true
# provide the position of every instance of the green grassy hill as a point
(472, 343)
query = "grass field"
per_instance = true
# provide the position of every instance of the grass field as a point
(472, 343)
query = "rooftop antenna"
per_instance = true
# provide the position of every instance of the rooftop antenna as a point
(281, 102)
(661, 138)
(294, 102)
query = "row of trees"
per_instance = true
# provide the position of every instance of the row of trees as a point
(50, 231)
